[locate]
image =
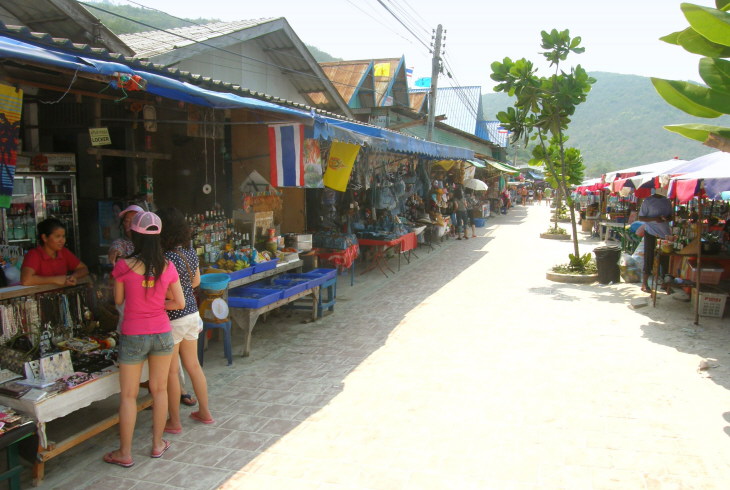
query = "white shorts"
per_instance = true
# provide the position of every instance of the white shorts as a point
(187, 327)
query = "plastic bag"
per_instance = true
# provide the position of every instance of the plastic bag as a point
(628, 269)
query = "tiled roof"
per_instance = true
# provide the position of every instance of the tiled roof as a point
(418, 101)
(152, 43)
(66, 19)
(46, 40)
(346, 76)
(462, 106)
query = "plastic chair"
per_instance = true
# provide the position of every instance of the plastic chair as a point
(227, 347)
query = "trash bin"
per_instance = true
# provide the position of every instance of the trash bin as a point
(607, 262)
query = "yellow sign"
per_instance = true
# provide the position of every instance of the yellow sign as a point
(100, 136)
(339, 165)
(381, 69)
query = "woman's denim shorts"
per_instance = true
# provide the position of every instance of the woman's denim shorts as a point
(134, 349)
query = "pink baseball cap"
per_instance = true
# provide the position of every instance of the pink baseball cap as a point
(146, 223)
(132, 207)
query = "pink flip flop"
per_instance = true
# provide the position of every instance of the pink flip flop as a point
(196, 416)
(108, 458)
(161, 452)
(173, 431)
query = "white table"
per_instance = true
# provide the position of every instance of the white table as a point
(65, 403)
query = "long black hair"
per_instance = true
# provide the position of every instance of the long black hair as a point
(47, 227)
(148, 251)
(175, 229)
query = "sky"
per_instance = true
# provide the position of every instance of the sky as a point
(620, 36)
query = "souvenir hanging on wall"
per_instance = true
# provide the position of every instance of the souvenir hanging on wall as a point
(11, 104)
(312, 164)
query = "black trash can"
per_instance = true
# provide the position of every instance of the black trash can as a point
(607, 261)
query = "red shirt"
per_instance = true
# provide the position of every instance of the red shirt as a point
(43, 265)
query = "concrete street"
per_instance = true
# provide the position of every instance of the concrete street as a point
(465, 370)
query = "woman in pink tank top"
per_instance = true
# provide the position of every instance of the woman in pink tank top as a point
(148, 285)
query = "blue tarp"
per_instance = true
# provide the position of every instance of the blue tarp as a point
(325, 127)
(156, 84)
(381, 138)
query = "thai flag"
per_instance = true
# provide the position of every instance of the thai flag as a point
(409, 72)
(286, 149)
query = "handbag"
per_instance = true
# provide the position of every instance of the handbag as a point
(56, 366)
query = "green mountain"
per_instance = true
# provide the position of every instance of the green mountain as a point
(621, 125)
(126, 19)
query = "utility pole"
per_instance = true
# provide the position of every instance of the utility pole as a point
(435, 69)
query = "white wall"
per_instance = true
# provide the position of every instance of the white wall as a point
(249, 74)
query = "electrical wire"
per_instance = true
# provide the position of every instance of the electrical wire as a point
(409, 18)
(173, 46)
(400, 21)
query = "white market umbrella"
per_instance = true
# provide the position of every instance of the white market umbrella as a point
(476, 184)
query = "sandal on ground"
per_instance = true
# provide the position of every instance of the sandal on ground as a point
(108, 458)
(196, 416)
(173, 431)
(188, 399)
(158, 454)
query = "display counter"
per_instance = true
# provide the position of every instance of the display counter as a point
(280, 267)
(18, 291)
(64, 403)
(378, 259)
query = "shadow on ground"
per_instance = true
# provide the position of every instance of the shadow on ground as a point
(296, 368)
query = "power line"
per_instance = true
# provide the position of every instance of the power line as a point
(404, 25)
(407, 17)
(291, 70)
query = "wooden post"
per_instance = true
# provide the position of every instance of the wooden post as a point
(699, 260)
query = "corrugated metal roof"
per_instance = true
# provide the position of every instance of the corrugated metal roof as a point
(351, 80)
(65, 19)
(153, 43)
(462, 106)
(489, 130)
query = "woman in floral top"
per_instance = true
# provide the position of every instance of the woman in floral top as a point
(186, 323)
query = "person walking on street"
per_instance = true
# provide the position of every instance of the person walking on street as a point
(461, 209)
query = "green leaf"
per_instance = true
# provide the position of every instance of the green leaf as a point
(695, 43)
(715, 73)
(711, 23)
(723, 5)
(698, 132)
(692, 99)
(672, 38)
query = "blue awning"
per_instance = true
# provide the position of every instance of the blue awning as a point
(324, 127)
(385, 139)
(156, 84)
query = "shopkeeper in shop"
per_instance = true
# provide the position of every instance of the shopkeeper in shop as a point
(51, 262)
(656, 213)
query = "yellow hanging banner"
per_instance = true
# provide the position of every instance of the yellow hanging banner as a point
(381, 70)
(339, 165)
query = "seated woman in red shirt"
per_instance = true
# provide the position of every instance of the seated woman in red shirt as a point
(51, 262)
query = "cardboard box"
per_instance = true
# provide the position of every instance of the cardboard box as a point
(708, 275)
(46, 162)
(712, 303)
